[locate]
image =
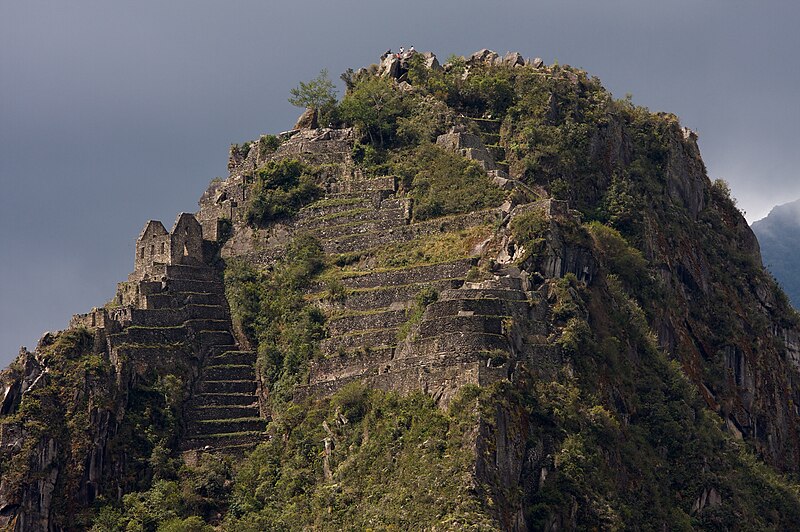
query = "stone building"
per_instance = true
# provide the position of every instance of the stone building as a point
(156, 248)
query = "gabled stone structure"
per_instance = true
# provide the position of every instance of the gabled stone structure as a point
(156, 248)
(152, 248)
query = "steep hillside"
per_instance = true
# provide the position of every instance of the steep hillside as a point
(778, 235)
(487, 296)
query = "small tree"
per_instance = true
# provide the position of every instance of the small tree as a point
(318, 94)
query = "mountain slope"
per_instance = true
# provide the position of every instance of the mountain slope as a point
(490, 296)
(778, 235)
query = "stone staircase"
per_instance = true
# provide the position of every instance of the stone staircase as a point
(187, 311)
(468, 335)
(489, 132)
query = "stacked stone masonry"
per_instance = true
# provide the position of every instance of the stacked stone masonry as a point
(173, 302)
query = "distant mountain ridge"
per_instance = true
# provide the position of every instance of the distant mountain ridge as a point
(778, 234)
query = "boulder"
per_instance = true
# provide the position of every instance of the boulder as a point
(484, 56)
(430, 61)
(513, 59)
(307, 120)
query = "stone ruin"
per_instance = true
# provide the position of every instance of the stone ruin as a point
(156, 248)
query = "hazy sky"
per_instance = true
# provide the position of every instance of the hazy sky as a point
(112, 113)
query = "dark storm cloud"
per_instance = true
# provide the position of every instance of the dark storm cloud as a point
(112, 113)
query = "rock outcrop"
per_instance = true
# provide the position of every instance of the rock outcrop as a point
(590, 320)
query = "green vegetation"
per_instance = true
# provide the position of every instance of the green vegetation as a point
(68, 407)
(373, 106)
(392, 463)
(424, 297)
(318, 94)
(432, 249)
(182, 498)
(281, 188)
(442, 182)
(530, 230)
(271, 311)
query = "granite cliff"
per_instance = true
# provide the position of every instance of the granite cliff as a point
(487, 295)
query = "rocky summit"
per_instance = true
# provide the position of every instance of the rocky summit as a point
(479, 295)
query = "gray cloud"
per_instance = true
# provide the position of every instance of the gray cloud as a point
(113, 113)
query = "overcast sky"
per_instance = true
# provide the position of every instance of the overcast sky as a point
(113, 113)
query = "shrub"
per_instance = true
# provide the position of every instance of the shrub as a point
(271, 310)
(620, 257)
(442, 182)
(318, 94)
(281, 188)
(373, 107)
(530, 231)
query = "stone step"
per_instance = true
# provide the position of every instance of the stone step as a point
(195, 273)
(235, 451)
(349, 186)
(237, 372)
(326, 232)
(193, 285)
(464, 324)
(490, 139)
(203, 324)
(240, 386)
(379, 319)
(487, 125)
(232, 356)
(396, 203)
(404, 233)
(176, 300)
(483, 293)
(149, 335)
(457, 342)
(416, 274)
(497, 282)
(224, 440)
(328, 207)
(209, 338)
(224, 399)
(385, 217)
(225, 412)
(224, 426)
(497, 152)
(482, 307)
(392, 296)
(141, 352)
(177, 316)
(359, 341)
(374, 196)
(349, 364)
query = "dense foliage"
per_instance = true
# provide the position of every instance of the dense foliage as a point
(442, 182)
(270, 309)
(280, 189)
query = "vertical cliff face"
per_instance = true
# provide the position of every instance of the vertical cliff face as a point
(491, 296)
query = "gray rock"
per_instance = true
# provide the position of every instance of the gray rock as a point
(513, 59)
(307, 120)
(430, 61)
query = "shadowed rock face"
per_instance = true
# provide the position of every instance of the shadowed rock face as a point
(779, 235)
